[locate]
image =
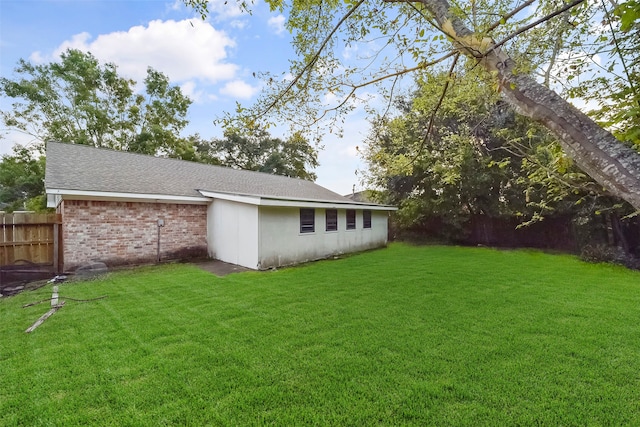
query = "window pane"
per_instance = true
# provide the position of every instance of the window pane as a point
(366, 219)
(332, 219)
(307, 220)
(351, 219)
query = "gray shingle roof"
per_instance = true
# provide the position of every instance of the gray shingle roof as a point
(85, 168)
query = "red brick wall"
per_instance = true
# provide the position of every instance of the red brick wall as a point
(119, 233)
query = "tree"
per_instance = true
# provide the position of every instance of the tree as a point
(481, 159)
(22, 180)
(253, 148)
(471, 164)
(427, 33)
(79, 101)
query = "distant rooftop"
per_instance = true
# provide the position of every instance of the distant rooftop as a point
(360, 197)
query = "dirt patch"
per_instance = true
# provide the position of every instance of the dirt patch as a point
(23, 276)
(220, 268)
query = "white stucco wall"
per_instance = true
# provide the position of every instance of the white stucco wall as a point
(232, 232)
(281, 242)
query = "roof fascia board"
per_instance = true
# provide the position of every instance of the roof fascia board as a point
(221, 194)
(325, 205)
(297, 203)
(251, 200)
(136, 197)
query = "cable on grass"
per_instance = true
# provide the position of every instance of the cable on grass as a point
(66, 298)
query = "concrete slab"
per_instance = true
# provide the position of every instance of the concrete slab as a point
(220, 268)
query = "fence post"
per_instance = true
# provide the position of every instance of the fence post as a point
(56, 243)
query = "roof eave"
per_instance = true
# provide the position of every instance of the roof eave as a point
(293, 202)
(66, 194)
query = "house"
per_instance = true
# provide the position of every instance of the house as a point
(125, 208)
(360, 196)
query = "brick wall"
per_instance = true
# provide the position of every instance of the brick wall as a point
(120, 233)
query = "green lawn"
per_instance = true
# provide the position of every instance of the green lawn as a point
(401, 336)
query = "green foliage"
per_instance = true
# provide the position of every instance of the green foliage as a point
(470, 163)
(614, 87)
(22, 180)
(629, 14)
(479, 158)
(253, 148)
(553, 183)
(412, 336)
(80, 101)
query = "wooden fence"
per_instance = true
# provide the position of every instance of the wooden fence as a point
(30, 238)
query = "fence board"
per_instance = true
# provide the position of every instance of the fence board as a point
(29, 238)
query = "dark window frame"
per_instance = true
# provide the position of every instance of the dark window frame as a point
(307, 220)
(366, 218)
(331, 224)
(351, 225)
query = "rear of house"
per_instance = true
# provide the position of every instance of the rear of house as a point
(125, 208)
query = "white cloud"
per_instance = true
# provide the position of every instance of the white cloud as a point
(37, 57)
(76, 42)
(238, 24)
(217, 10)
(350, 51)
(276, 23)
(189, 89)
(184, 50)
(239, 89)
(11, 138)
(330, 98)
(370, 97)
(223, 9)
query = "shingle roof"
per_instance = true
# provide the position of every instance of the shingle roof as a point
(84, 168)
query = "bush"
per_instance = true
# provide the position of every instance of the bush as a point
(609, 254)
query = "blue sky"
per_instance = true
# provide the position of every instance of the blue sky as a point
(213, 61)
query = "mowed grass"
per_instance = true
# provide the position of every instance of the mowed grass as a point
(400, 336)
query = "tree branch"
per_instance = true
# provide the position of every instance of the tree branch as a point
(509, 15)
(313, 61)
(534, 24)
(435, 110)
(397, 74)
(405, 71)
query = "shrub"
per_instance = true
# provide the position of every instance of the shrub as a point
(609, 254)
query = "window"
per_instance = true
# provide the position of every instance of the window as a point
(307, 220)
(332, 219)
(351, 219)
(366, 219)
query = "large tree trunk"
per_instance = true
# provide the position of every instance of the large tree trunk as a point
(597, 152)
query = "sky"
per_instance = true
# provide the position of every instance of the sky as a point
(213, 61)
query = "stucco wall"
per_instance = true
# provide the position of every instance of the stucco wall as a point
(127, 233)
(281, 242)
(233, 232)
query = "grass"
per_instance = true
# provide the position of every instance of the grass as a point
(402, 336)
